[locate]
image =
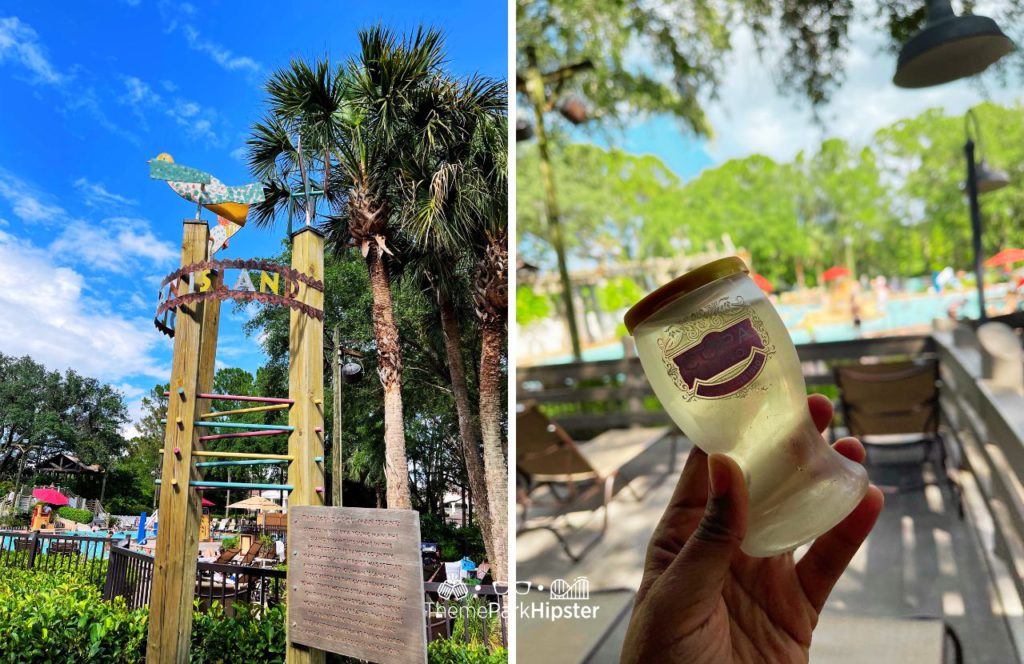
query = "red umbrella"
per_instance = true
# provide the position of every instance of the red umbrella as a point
(207, 503)
(50, 497)
(1005, 257)
(761, 282)
(835, 272)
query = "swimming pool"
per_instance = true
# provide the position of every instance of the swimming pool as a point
(90, 549)
(899, 313)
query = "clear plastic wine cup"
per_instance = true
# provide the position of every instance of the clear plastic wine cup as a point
(723, 365)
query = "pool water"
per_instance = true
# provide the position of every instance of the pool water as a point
(90, 550)
(899, 313)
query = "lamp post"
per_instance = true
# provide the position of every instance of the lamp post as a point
(342, 371)
(980, 179)
(949, 47)
(541, 91)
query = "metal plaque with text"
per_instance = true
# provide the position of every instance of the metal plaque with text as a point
(355, 583)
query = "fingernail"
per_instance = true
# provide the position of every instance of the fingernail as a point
(719, 474)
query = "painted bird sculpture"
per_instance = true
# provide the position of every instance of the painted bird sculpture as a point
(230, 204)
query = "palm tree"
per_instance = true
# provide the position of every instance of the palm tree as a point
(444, 194)
(490, 294)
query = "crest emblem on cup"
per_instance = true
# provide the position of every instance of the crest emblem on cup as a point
(717, 354)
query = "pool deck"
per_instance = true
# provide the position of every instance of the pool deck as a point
(921, 560)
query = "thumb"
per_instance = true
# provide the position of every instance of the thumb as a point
(704, 562)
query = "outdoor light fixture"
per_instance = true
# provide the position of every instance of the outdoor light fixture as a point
(990, 179)
(352, 372)
(524, 130)
(980, 179)
(950, 47)
(573, 109)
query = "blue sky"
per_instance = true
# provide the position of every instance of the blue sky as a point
(88, 95)
(749, 115)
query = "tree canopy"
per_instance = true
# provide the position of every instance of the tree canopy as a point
(896, 202)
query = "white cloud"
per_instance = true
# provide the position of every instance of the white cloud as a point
(239, 154)
(53, 321)
(221, 55)
(27, 202)
(118, 244)
(196, 120)
(96, 195)
(752, 116)
(20, 43)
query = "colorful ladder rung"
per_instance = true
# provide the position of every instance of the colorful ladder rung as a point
(244, 434)
(240, 411)
(245, 462)
(237, 455)
(242, 397)
(204, 484)
(241, 425)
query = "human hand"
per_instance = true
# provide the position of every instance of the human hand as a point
(702, 600)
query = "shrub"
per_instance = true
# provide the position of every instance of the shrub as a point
(229, 542)
(15, 521)
(76, 515)
(469, 624)
(45, 615)
(243, 637)
(453, 651)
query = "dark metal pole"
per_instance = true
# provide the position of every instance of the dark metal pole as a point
(338, 381)
(972, 196)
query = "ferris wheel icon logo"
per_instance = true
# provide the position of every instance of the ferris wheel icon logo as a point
(579, 589)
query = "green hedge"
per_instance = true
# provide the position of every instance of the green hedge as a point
(48, 616)
(76, 515)
(452, 651)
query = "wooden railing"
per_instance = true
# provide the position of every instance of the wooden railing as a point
(986, 424)
(587, 398)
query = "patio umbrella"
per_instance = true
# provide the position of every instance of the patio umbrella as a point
(834, 273)
(257, 503)
(50, 497)
(761, 282)
(207, 503)
(1005, 257)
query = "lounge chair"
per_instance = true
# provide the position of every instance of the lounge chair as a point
(226, 556)
(895, 405)
(250, 555)
(547, 456)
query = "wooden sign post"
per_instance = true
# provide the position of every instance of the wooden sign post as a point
(174, 573)
(306, 389)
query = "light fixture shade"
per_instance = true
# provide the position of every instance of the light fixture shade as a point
(351, 373)
(990, 179)
(950, 47)
(524, 130)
